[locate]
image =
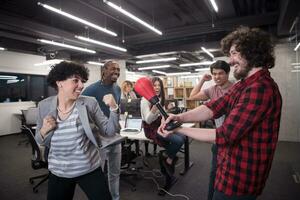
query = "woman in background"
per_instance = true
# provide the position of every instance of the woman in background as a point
(127, 90)
(69, 125)
(151, 121)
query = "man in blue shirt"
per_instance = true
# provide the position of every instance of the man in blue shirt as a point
(107, 86)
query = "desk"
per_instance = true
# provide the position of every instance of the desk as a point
(141, 137)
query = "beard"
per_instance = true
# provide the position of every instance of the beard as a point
(242, 73)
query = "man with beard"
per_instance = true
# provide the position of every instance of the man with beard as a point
(101, 89)
(247, 139)
(220, 74)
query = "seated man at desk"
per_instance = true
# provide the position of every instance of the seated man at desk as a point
(151, 121)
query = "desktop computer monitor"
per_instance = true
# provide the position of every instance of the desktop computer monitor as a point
(131, 106)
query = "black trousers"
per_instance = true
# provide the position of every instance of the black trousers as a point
(93, 184)
(221, 196)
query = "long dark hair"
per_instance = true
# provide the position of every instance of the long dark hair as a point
(162, 91)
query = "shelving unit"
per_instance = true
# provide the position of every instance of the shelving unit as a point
(176, 88)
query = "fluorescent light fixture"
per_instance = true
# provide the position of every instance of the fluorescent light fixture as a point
(49, 62)
(213, 3)
(296, 48)
(297, 67)
(58, 11)
(157, 54)
(176, 74)
(293, 64)
(101, 43)
(95, 63)
(66, 46)
(2, 49)
(3, 77)
(154, 67)
(147, 55)
(294, 23)
(128, 14)
(159, 72)
(12, 81)
(295, 70)
(197, 64)
(207, 52)
(156, 60)
(202, 69)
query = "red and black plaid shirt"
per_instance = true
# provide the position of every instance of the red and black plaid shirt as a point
(248, 137)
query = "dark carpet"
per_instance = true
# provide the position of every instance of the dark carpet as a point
(283, 182)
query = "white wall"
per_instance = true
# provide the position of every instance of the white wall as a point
(289, 85)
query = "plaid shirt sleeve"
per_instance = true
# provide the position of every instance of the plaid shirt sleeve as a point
(242, 113)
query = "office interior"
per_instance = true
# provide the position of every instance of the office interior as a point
(179, 41)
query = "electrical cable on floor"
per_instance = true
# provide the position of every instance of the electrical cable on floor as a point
(160, 188)
(154, 173)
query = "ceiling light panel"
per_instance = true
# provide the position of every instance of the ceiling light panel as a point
(207, 52)
(202, 69)
(156, 60)
(66, 46)
(154, 67)
(214, 5)
(296, 48)
(95, 63)
(197, 64)
(128, 14)
(101, 43)
(83, 21)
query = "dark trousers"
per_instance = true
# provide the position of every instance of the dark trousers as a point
(93, 184)
(221, 196)
(213, 171)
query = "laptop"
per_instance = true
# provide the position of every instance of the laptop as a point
(132, 125)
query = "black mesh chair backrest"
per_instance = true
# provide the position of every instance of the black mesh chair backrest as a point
(37, 161)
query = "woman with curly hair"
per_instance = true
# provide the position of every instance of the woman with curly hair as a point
(69, 125)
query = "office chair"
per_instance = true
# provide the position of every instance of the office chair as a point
(128, 157)
(29, 118)
(37, 161)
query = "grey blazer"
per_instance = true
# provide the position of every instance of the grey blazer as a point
(94, 122)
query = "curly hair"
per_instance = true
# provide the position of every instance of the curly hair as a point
(65, 70)
(162, 91)
(254, 45)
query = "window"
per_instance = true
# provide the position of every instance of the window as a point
(23, 87)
